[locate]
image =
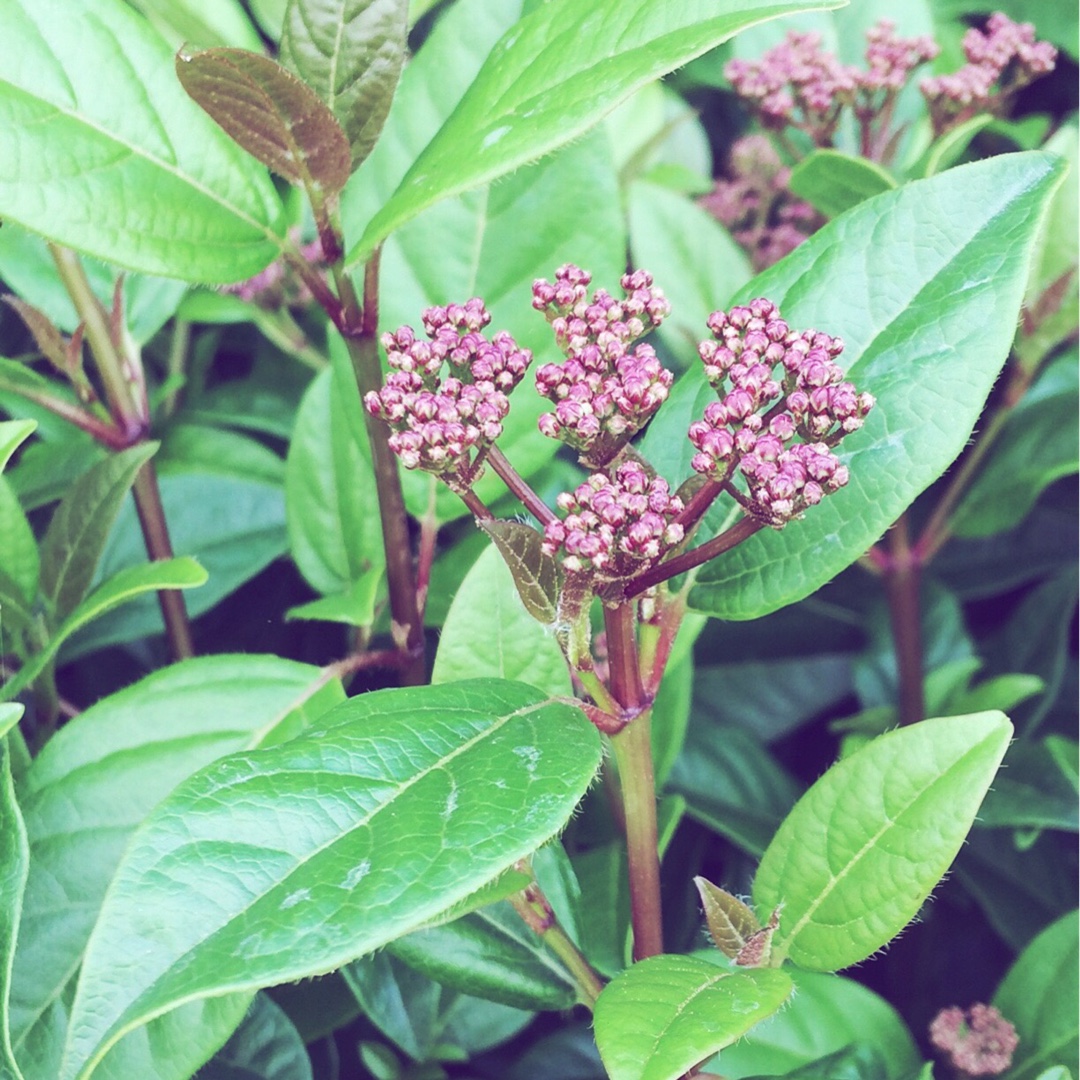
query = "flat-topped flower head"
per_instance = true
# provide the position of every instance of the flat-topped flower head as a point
(1002, 59)
(890, 59)
(445, 425)
(783, 404)
(977, 1042)
(605, 391)
(615, 527)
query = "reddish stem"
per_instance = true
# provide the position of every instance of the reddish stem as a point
(902, 592)
(513, 480)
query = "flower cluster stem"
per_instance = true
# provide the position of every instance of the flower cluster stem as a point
(360, 330)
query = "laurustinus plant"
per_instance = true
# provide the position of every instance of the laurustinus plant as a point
(502, 699)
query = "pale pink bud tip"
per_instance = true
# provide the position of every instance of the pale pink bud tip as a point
(977, 1042)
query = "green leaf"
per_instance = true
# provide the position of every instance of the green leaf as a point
(731, 923)
(1036, 447)
(350, 52)
(947, 150)
(692, 258)
(832, 182)
(28, 269)
(182, 573)
(21, 565)
(85, 794)
(733, 785)
(354, 607)
(334, 533)
(14, 859)
(470, 776)
(1039, 995)
(79, 527)
(12, 434)
(10, 715)
(825, 1014)
(535, 574)
(664, 1015)
(1033, 791)
(488, 632)
(233, 524)
(419, 1015)
(221, 23)
(888, 821)
(553, 76)
(93, 170)
(274, 116)
(492, 954)
(265, 1046)
(927, 328)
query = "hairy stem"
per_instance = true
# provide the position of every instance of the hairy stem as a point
(513, 480)
(156, 535)
(360, 330)
(902, 592)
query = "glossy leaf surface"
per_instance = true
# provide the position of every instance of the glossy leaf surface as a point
(22, 562)
(268, 111)
(832, 182)
(465, 778)
(927, 326)
(12, 434)
(87, 792)
(665, 1014)
(887, 822)
(350, 52)
(266, 1046)
(87, 163)
(535, 574)
(488, 632)
(550, 79)
(1039, 995)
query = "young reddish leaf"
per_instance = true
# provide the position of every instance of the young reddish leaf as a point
(731, 922)
(351, 52)
(270, 113)
(535, 574)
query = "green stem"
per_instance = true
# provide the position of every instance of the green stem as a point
(359, 327)
(632, 748)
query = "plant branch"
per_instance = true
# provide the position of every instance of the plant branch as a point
(742, 530)
(360, 331)
(525, 494)
(107, 434)
(156, 535)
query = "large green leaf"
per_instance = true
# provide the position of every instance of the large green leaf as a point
(181, 573)
(825, 1014)
(662, 1016)
(79, 527)
(553, 76)
(350, 52)
(21, 564)
(927, 326)
(12, 434)
(196, 23)
(326, 847)
(1036, 447)
(490, 953)
(266, 1046)
(86, 101)
(833, 182)
(85, 794)
(1039, 995)
(331, 504)
(14, 857)
(863, 848)
(488, 632)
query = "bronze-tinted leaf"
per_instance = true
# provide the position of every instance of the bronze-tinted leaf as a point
(271, 114)
(351, 53)
(535, 574)
(731, 922)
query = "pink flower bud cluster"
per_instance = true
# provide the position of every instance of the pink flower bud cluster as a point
(796, 83)
(605, 391)
(891, 59)
(750, 430)
(438, 424)
(754, 203)
(978, 1041)
(615, 526)
(1001, 60)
